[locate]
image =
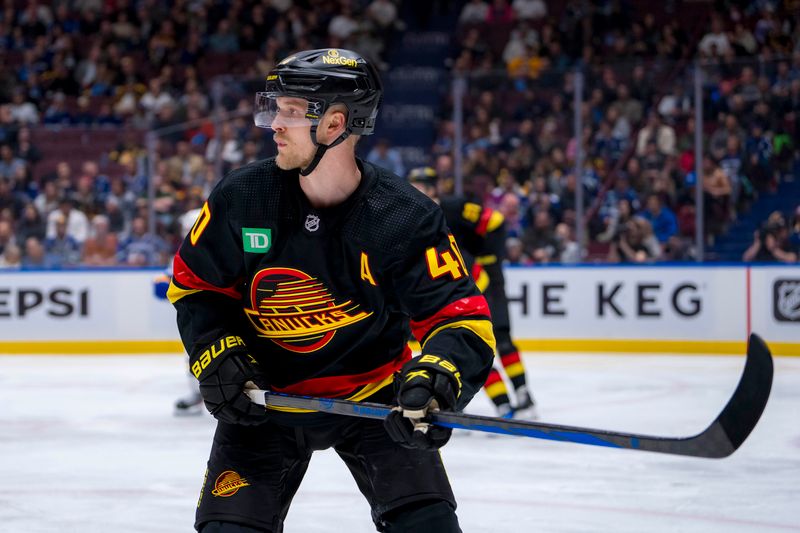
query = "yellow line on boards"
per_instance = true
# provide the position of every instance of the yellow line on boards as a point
(105, 347)
(644, 346)
(655, 346)
(784, 348)
(641, 346)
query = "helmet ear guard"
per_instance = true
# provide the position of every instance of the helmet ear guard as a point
(323, 78)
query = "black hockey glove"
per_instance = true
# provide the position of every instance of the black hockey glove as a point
(224, 369)
(427, 383)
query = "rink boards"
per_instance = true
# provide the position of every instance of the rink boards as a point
(673, 309)
(642, 309)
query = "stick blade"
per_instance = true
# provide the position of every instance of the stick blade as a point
(745, 408)
(743, 411)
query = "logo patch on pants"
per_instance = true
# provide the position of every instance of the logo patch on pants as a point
(228, 483)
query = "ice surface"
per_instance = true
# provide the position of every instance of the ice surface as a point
(90, 445)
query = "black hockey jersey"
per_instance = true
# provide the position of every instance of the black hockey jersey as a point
(323, 298)
(481, 235)
(479, 231)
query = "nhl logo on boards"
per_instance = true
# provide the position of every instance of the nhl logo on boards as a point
(228, 483)
(312, 223)
(786, 300)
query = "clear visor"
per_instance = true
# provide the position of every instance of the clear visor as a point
(272, 111)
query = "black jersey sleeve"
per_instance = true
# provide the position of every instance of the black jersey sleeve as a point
(207, 273)
(494, 244)
(449, 316)
(490, 258)
(479, 230)
(488, 226)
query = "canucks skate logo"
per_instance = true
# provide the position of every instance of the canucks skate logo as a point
(297, 312)
(228, 483)
(786, 300)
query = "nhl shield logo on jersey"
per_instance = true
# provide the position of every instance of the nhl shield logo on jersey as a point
(228, 483)
(312, 223)
(296, 311)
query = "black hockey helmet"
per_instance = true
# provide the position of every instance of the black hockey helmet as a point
(324, 77)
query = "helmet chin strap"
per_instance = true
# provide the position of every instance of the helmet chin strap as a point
(321, 149)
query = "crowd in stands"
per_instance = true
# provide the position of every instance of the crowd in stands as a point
(777, 240)
(125, 67)
(638, 175)
(131, 66)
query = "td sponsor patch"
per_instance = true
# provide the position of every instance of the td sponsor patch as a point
(256, 240)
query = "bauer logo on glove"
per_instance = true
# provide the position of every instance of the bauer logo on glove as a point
(225, 370)
(442, 364)
(215, 350)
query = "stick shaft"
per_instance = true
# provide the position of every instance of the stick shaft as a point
(722, 437)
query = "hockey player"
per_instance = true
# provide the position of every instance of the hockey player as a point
(303, 274)
(191, 403)
(481, 235)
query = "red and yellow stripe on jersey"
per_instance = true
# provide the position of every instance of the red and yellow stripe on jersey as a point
(480, 276)
(489, 221)
(452, 316)
(353, 387)
(339, 386)
(185, 282)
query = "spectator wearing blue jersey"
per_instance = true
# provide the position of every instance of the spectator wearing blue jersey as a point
(63, 249)
(661, 217)
(141, 248)
(35, 256)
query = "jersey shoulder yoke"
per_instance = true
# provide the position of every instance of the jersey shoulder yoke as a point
(391, 213)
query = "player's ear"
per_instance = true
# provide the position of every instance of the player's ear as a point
(336, 122)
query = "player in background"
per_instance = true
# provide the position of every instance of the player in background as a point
(191, 403)
(481, 235)
(304, 274)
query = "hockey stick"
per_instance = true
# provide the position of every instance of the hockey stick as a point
(724, 436)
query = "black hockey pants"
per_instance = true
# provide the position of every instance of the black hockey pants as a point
(433, 517)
